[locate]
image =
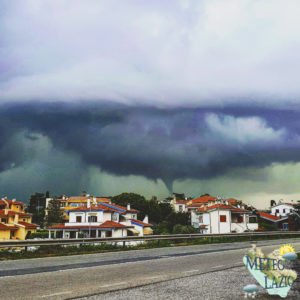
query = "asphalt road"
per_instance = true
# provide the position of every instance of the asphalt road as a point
(97, 274)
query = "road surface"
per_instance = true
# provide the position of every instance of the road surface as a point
(97, 274)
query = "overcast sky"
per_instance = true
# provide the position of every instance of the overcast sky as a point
(150, 96)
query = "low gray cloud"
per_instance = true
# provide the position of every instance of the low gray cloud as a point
(151, 52)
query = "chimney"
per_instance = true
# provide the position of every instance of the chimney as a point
(146, 219)
(128, 206)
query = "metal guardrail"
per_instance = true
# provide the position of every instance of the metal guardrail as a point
(53, 242)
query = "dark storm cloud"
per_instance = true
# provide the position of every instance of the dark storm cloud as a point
(155, 143)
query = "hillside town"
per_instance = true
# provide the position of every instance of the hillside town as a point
(102, 217)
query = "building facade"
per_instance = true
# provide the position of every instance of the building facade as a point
(68, 203)
(282, 209)
(222, 218)
(15, 223)
(101, 220)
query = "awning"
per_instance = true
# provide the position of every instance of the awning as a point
(134, 231)
(148, 230)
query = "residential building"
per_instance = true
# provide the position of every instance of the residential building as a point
(15, 223)
(68, 203)
(101, 220)
(223, 218)
(279, 223)
(282, 209)
(179, 205)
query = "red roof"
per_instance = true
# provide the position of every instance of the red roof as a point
(28, 225)
(268, 216)
(6, 227)
(141, 223)
(106, 224)
(12, 213)
(182, 201)
(232, 201)
(204, 199)
(111, 224)
(222, 207)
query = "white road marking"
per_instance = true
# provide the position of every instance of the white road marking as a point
(153, 277)
(191, 271)
(113, 284)
(56, 294)
(219, 266)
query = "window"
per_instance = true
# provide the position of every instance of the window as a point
(24, 220)
(108, 234)
(114, 217)
(223, 218)
(240, 219)
(277, 211)
(92, 219)
(180, 208)
(252, 220)
(285, 226)
(78, 219)
(283, 210)
(201, 219)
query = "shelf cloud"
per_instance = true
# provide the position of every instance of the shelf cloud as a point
(166, 144)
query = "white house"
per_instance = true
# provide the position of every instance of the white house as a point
(179, 205)
(282, 209)
(101, 220)
(223, 218)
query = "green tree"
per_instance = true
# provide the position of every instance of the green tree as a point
(55, 214)
(36, 207)
(136, 201)
(184, 229)
(161, 215)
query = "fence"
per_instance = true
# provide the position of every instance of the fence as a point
(124, 240)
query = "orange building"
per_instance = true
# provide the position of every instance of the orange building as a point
(15, 223)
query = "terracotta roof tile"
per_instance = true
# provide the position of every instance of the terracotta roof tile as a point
(111, 224)
(12, 213)
(203, 199)
(106, 224)
(28, 225)
(7, 227)
(268, 216)
(222, 207)
(182, 201)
